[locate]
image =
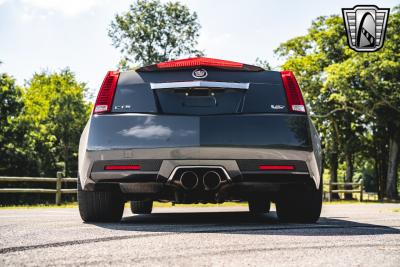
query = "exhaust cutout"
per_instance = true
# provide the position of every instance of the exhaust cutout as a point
(211, 180)
(189, 180)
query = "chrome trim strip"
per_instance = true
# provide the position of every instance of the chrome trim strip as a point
(198, 167)
(243, 86)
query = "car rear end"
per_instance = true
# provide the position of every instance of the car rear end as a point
(200, 130)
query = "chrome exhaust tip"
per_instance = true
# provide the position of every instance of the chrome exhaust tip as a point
(211, 180)
(189, 180)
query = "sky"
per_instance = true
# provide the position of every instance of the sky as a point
(38, 35)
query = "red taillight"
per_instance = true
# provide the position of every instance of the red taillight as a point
(276, 167)
(122, 167)
(293, 93)
(200, 62)
(106, 93)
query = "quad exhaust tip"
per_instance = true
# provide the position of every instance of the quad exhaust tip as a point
(211, 180)
(189, 180)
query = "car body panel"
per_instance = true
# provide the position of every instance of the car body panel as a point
(127, 131)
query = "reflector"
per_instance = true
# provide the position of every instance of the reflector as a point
(122, 167)
(276, 167)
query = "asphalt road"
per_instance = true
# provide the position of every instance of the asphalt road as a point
(346, 235)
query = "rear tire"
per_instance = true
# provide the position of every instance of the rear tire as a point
(142, 206)
(300, 207)
(100, 206)
(259, 206)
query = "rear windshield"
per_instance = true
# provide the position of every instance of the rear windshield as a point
(259, 98)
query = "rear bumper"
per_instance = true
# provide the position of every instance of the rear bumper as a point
(233, 191)
(164, 171)
(240, 164)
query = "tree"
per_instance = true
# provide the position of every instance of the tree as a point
(371, 84)
(263, 63)
(308, 56)
(57, 113)
(352, 96)
(151, 32)
(10, 108)
(15, 156)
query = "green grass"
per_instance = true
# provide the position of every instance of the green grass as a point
(156, 205)
(225, 204)
(169, 205)
(349, 202)
(38, 206)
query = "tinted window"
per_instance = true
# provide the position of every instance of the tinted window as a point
(265, 97)
(134, 98)
(259, 98)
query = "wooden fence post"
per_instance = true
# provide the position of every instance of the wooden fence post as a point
(330, 192)
(361, 189)
(58, 188)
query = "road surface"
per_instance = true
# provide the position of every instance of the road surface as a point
(346, 235)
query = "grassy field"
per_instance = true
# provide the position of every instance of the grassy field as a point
(156, 205)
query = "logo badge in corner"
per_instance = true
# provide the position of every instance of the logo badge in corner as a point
(365, 27)
(199, 73)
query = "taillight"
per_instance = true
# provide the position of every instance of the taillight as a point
(293, 93)
(122, 167)
(200, 62)
(106, 93)
(276, 167)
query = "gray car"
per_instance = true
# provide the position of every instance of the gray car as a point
(200, 130)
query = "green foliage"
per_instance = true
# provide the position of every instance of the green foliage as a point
(354, 97)
(40, 124)
(151, 32)
(14, 152)
(40, 127)
(10, 107)
(263, 64)
(56, 113)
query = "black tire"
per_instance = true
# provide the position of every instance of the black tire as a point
(142, 206)
(258, 206)
(300, 207)
(100, 206)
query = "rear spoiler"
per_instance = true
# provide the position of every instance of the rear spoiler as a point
(190, 63)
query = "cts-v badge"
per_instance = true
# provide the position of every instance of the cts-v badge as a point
(277, 106)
